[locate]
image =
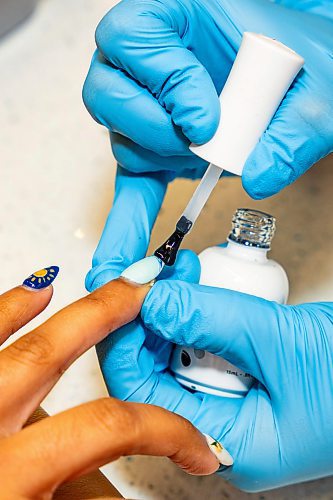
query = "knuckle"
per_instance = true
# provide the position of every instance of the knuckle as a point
(32, 349)
(5, 310)
(12, 316)
(95, 86)
(6, 319)
(113, 416)
(88, 94)
(100, 301)
(92, 88)
(115, 26)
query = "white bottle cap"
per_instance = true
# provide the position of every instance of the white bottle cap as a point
(259, 78)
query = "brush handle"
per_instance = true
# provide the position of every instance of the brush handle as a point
(202, 193)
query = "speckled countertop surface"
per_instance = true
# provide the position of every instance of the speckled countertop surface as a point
(57, 185)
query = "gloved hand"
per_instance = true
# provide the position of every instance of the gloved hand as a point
(155, 78)
(281, 432)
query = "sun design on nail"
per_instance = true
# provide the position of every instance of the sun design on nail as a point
(218, 446)
(42, 278)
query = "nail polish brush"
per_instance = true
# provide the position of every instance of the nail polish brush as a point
(261, 74)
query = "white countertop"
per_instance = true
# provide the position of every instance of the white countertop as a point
(57, 186)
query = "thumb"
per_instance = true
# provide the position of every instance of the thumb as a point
(125, 238)
(243, 329)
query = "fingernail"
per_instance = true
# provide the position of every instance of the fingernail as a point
(219, 451)
(143, 271)
(42, 278)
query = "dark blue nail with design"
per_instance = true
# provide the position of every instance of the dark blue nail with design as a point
(42, 279)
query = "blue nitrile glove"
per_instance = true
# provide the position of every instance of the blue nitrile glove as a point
(282, 431)
(126, 235)
(155, 78)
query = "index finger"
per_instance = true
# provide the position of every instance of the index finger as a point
(39, 358)
(143, 38)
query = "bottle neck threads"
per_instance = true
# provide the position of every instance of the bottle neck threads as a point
(252, 228)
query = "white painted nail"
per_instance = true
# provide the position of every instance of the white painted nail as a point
(143, 271)
(219, 451)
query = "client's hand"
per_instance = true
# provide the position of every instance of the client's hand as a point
(37, 459)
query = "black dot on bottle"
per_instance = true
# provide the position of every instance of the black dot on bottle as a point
(185, 358)
(199, 353)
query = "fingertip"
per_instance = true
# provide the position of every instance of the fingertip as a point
(194, 455)
(200, 118)
(177, 438)
(203, 124)
(251, 186)
(204, 464)
(265, 174)
(113, 27)
(99, 275)
(152, 302)
(189, 258)
(90, 281)
(186, 268)
(20, 305)
(47, 293)
(188, 265)
(42, 297)
(208, 461)
(91, 88)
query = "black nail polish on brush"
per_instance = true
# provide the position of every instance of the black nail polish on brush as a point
(168, 251)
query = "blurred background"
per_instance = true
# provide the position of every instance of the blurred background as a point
(56, 189)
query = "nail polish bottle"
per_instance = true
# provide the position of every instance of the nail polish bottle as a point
(242, 265)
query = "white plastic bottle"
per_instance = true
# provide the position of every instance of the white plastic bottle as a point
(241, 265)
